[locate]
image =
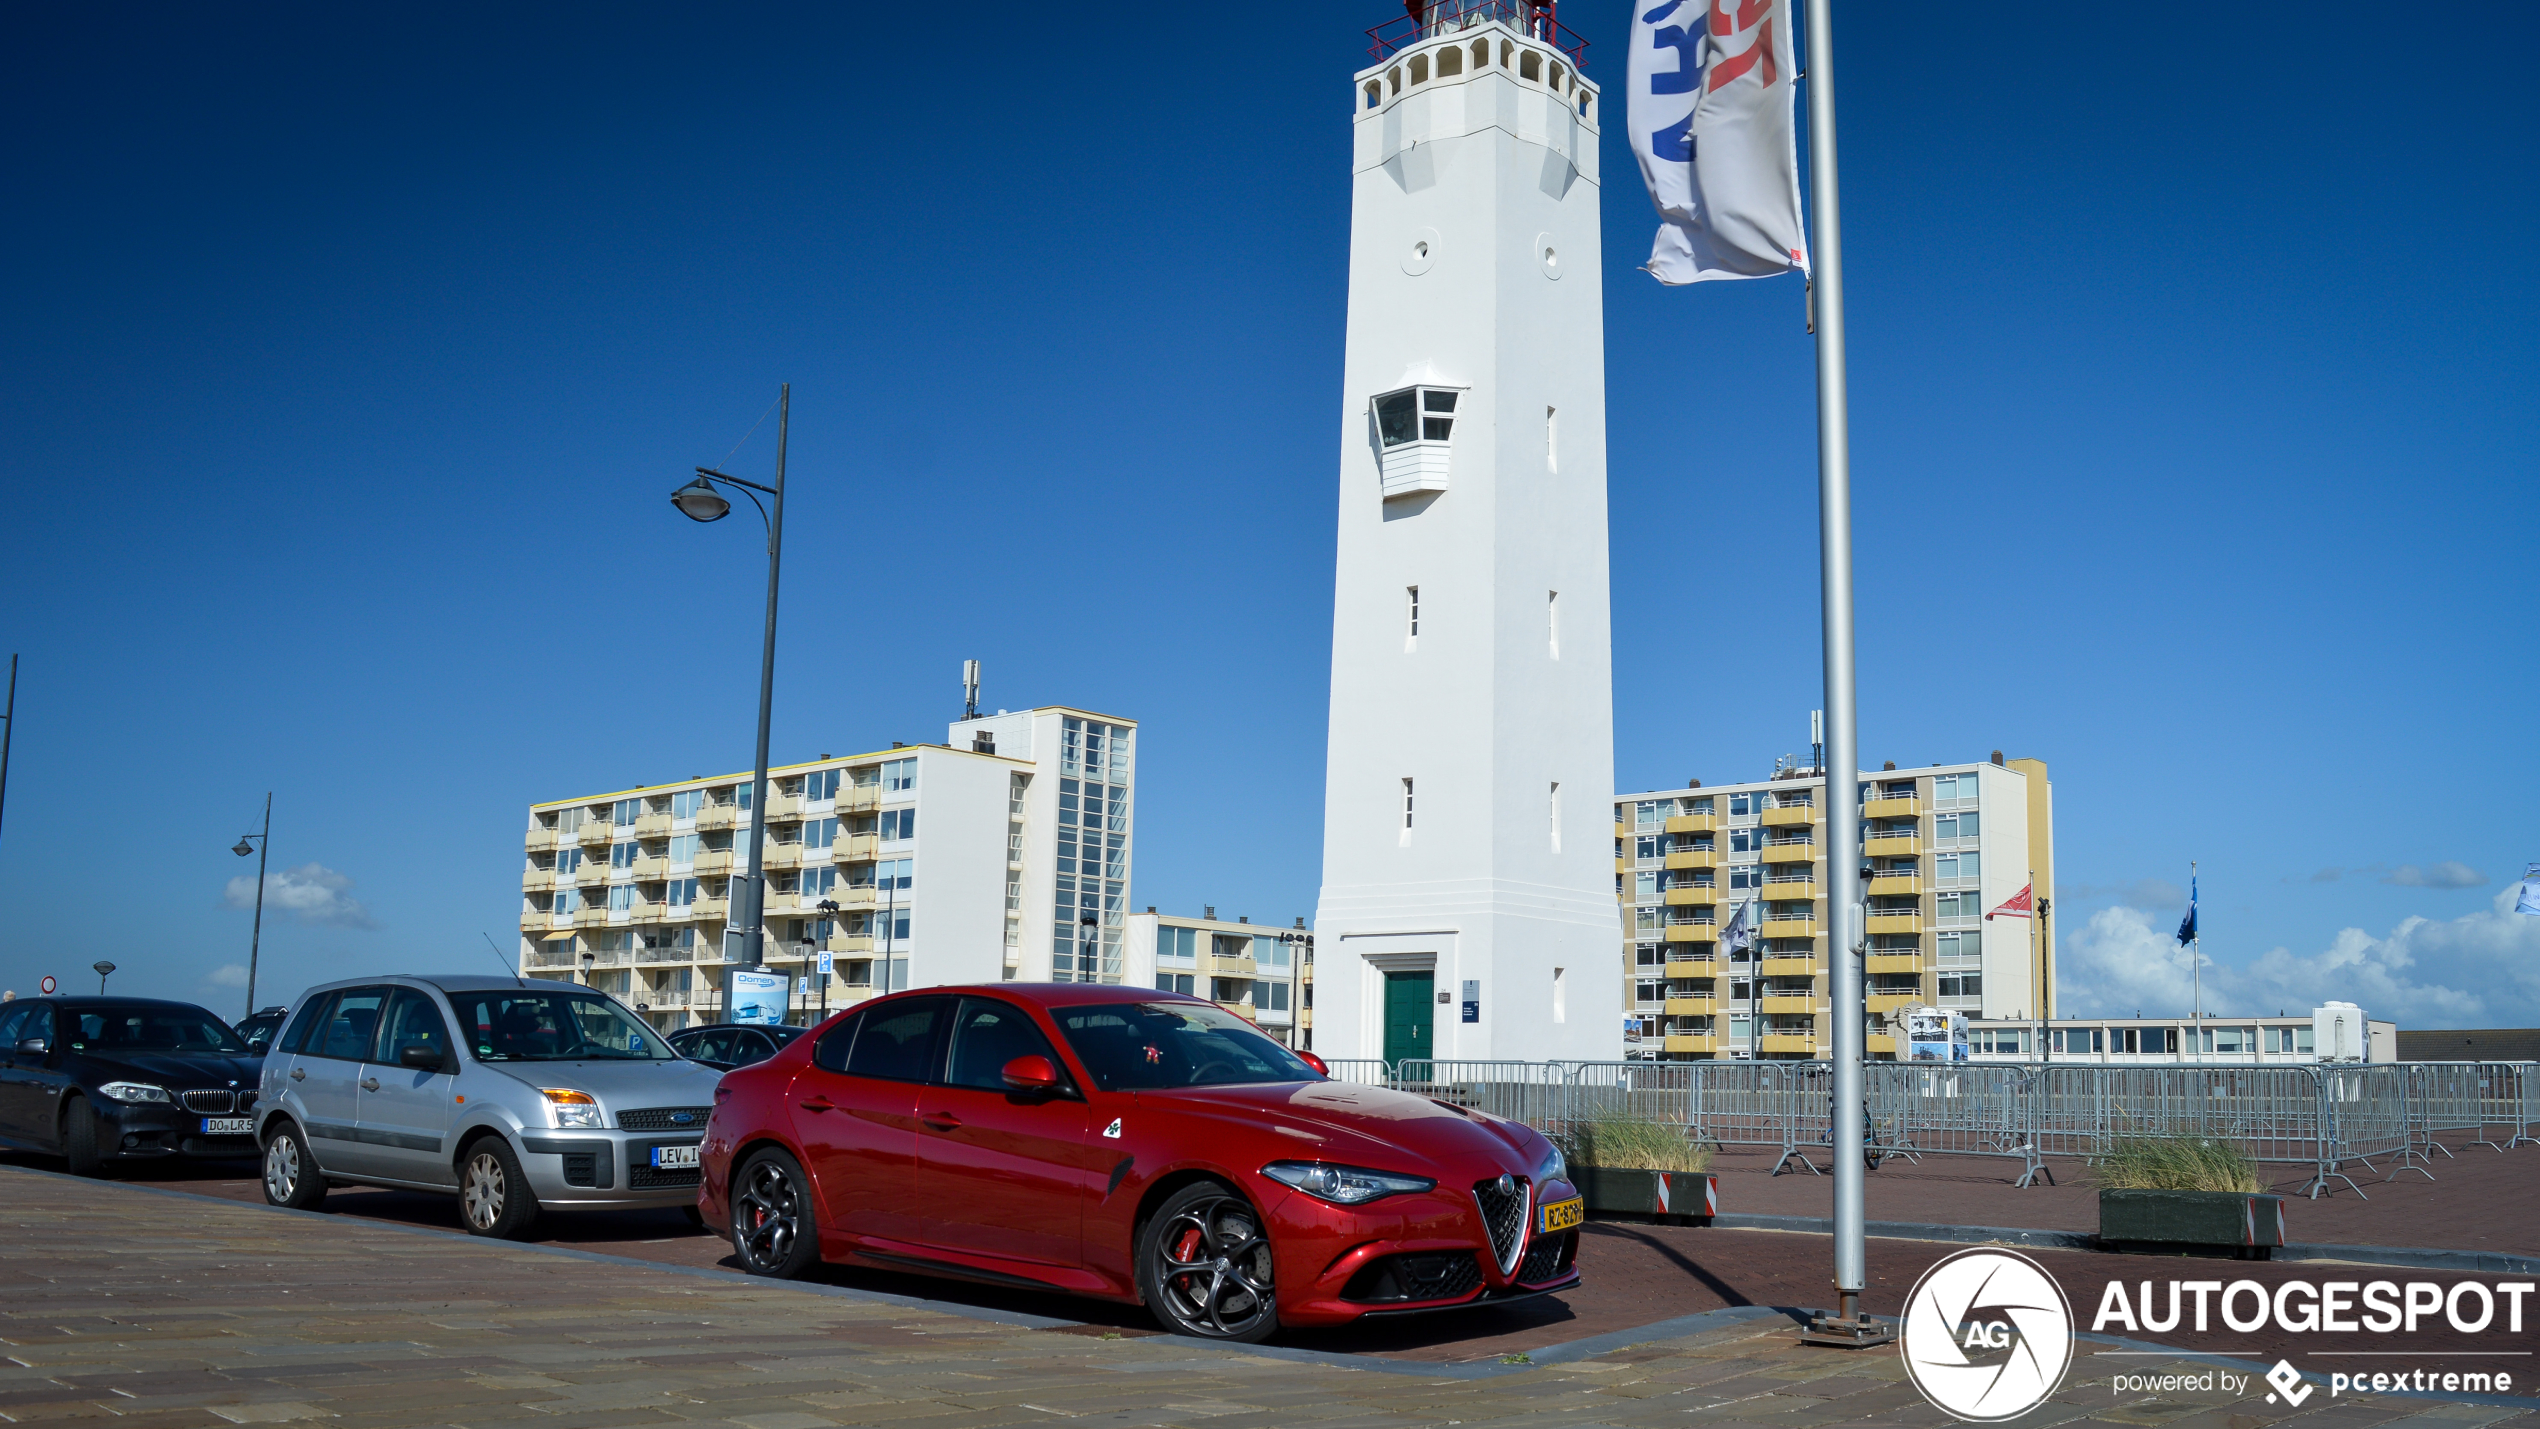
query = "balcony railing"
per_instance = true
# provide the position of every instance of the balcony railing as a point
(1447, 17)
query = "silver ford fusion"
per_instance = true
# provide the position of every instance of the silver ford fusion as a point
(512, 1094)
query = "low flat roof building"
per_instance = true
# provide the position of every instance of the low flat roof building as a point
(1262, 973)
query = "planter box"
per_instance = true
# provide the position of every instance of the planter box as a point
(2242, 1223)
(1682, 1197)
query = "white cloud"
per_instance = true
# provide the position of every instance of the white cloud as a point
(227, 974)
(313, 891)
(2481, 970)
(2449, 873)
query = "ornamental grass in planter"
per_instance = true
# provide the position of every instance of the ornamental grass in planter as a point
(2177, 1194)
(1637, 1165)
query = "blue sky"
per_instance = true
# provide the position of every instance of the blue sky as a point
(351, 354)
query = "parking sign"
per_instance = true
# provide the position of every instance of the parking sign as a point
(828, 960)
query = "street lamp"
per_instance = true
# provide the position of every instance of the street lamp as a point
(828, 906)
(699, 501)
(256, 844)
(101, 970)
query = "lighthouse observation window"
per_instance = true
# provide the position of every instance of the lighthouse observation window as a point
(1415, 414)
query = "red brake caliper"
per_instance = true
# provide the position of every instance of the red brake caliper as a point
(1186, 1249)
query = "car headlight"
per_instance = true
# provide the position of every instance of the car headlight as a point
(1554, 1166)
(1344, 1185)
(135, 1092)
(572, 1109)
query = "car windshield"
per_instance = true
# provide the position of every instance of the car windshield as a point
(511, 1025)
(152, 1029)
(1139, 1046)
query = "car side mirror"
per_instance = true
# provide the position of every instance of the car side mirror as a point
(1032, 1074)
(34, 1046)
(422, 1056)
(1315, 1062)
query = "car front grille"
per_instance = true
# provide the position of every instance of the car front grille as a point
(1504, 1213)
(1449, 1276)
(212, 1101)
(1547, 1258)
(664, 1118)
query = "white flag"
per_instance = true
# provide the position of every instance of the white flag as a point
(1710, 113)
(2527, 899)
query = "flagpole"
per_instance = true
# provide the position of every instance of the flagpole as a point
(1843, 755)
(2196, 962)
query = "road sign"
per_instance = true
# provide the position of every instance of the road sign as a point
(48, 985)
(828, 960)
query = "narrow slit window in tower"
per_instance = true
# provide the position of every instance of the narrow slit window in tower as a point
(1406, 810)
(1554, 799)
(1552, 439)
(1552, 622)
(1411, 623)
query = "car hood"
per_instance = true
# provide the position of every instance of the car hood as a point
(180, 1070)
(622, 1086)
(1360, 1125)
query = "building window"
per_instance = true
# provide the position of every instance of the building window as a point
(683, 892)
(622, 855)
(822, 833)
(899, 775)
(1746, 840)
(1955, 826)
(1406, 806)
(1174, 982)
(1966, 906)
(683, 848)
(1957, 789)
(625, 812)
(1649, 992)
(1412, 630)
(1278, 995)
(893, 875)
(1958, 949)
(1741, 805)
(568, 860)
(1415, 414)
(821, 784)
(896, 825)
(1645, 885)
(686, 803)
(621, 897)
(1961, 989)
(1176, 945)
(1748, 876)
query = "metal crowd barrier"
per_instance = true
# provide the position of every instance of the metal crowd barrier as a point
(2323, 1116)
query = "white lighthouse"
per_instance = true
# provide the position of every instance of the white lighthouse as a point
(1468, 907)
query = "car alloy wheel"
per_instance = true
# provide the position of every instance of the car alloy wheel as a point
(771, 1225)
(282, 1170)
(1213, 1267)
(485, 1191)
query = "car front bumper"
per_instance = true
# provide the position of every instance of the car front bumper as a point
(153, 1131)
(600, 1170)
(1409, 1255)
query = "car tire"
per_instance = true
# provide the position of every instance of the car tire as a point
(79, 1138)
(1204, 1266)
(772, 1223)
(494, 1195)
(292, 1178)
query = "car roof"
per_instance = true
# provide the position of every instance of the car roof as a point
(72, 999)
(781, 1028)
(454, 982)
(1054, 994)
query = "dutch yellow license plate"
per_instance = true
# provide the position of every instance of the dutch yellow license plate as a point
(1564, 1215)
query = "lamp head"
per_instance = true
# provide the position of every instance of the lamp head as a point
(699, 501)
(242, 848)
(101, 969)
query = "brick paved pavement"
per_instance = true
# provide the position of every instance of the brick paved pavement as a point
(181, 1312)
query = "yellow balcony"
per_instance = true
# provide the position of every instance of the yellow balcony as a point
(1694, 858)
(1790, 853)
(535, 924)
(1895, 962)
(1692, 1042)
(593, 833)
(1622, 830)
(652, 870)
(1905, 808)
(785, 806)
(651, 913)
(592, 873)
(1791, 892)
(539, 840)
(591, 918)
(653, 826)
(1692, 1006)
(1790, 927)
(1693, 932)
(538, 880)
(1622, 865)
(859, 798)
(1693, 823)
(1890, 845)
(1889, 885)
(1889, 1002)
(1785, 1042)
(718, 816)
(1696, 897)
(710, 910)
(855, 898)
(1896, 922)
(857, 848)
(1692, 968)
(1805, 1002)
(716, 862)
(1790, 967)
(781, 856)
(1878, 1042)
(1790, 817)
(860, 943)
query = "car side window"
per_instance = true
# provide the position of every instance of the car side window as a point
(312, 1012)
(412, 1021)
(39, 1023)
(830, 1052)
(350, 1023)
(9, 1021)
(711, 1047)
(898, 1042)
(987, 1035)
(748, 1047)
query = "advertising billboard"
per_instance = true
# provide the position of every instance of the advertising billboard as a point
(758, 995)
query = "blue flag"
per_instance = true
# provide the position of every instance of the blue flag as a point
(2187, 925)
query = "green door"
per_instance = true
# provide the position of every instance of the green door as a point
(1410, 1028)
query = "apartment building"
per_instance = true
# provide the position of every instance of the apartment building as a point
(1265, 974)
(2216, 1039)
(1001, 854)
(1942, 847)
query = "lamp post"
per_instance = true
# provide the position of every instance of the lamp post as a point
(829, 907)
(699, 501)
(101, 969)
(256, 844)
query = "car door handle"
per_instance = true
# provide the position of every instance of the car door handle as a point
(370, 1084)
(298, 1075)
(819, 1104)
(942, 1120)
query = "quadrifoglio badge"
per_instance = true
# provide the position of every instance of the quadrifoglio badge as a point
(1987, 1335)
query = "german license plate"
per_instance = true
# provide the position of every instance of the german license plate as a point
(229, 1126)
(1564, 1215)
(674, 1158)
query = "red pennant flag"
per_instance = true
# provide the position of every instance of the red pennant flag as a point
(2015, 906)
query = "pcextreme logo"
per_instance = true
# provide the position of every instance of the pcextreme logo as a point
(1987, 1336)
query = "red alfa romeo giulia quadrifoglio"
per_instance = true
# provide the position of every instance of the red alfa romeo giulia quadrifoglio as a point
(1132, 1145)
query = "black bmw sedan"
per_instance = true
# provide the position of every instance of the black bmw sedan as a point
(105, 1080)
